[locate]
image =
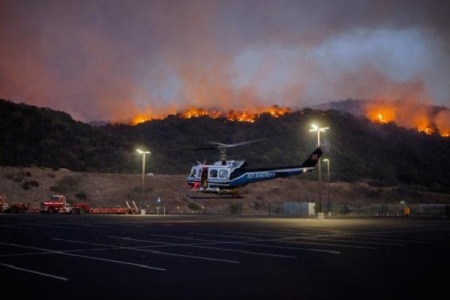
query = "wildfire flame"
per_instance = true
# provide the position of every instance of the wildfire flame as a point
(403, 113)
(236, 116)
(409, 115)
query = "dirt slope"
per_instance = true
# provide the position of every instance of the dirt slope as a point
(33, 185)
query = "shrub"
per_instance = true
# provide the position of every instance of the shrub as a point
(276, 190)
(81, 195)
(345, 209)
(66, 184)
(29, 184)
(56, 189)
(193, 206)
(137, 189)
(236, 208)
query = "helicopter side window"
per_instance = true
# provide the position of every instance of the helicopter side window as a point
(212, 173)
(223, 173)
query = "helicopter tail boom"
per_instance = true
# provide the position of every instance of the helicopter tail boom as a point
(313, 158)
(244, 177)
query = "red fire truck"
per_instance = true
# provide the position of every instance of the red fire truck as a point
(58, 204)
(12, 208)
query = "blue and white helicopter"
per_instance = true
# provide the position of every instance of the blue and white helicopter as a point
(226, 177)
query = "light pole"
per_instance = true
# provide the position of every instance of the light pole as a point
(143, 165)
(319, 129)
(328, 184)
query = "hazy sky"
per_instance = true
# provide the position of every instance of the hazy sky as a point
(110, 59)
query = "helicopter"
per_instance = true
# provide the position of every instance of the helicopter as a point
(227, 177)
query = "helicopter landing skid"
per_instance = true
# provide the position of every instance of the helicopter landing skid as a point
(214, 194)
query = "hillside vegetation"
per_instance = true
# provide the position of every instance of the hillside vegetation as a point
(44, 151)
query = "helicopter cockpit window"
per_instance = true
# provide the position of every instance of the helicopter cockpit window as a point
(213, 173)
(195, 172)
(223, 173)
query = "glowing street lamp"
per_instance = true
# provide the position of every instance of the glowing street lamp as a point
(315, 128)
(328, 184)
(143, 165)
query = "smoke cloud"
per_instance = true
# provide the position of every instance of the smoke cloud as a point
(115, 59)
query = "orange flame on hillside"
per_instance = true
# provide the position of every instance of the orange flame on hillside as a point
(409, 115)
(406, 114)
(236, 116)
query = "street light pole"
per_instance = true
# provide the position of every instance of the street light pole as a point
(319, 129)
(328, 184)
(143, 166)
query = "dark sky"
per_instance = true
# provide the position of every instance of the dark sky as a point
(113, 59)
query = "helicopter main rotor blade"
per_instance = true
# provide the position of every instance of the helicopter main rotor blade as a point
(236, 144)
(205, 148)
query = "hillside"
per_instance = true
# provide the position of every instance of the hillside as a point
(380, 162)
(34, 185)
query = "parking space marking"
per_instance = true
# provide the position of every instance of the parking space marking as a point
(344, 238)
(294, 239)
(204, 245)
(143, 249)
(12, 226)
(84, 256)
(34, 272)
(252, 243)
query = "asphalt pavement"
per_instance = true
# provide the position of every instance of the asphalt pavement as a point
(222, 257)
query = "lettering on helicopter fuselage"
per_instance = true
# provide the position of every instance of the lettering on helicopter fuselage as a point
(260, 175)
(218, 180)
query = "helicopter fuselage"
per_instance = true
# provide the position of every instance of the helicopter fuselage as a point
(227, 175)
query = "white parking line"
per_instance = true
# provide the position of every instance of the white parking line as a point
(85, 256)
(330, 237)
(35, 272)
(252, 243)
(210, 242)
(11, 226)
(149, 251)
(291, 239)
(169, 253)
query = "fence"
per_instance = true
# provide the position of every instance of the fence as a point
(308, 209)
(419, 210)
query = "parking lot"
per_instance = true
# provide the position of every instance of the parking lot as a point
(221, 257)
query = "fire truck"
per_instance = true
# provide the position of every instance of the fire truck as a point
(57, 204)
(3, 204)
(12, 208)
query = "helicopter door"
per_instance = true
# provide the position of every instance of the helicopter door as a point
(223, 174)
(204, 177)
